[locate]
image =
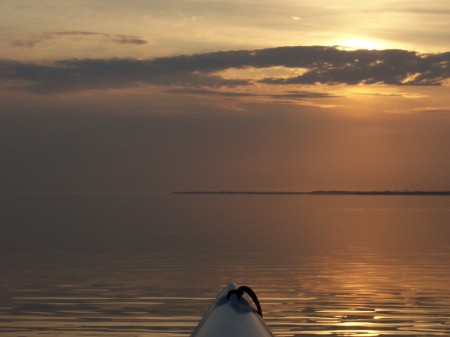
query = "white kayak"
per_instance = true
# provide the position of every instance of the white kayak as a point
(232, 315)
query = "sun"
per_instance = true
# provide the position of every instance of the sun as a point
(358, 43)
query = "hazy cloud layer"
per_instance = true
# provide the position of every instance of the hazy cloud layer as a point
(32, 40)
(288, 94)
(322, 65)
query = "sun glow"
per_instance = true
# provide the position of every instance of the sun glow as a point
(358, 43)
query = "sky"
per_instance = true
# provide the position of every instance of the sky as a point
(150, 96)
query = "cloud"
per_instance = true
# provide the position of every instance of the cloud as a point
(392, 94)
(321, 65)
(429, 109)
(392, 67)
(32, 40)
(208, 92)
(289, 94)
(70, 75)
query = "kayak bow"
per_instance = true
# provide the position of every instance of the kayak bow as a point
(232, 315)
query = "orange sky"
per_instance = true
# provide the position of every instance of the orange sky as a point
(152, 97)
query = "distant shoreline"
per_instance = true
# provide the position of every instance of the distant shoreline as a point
(419, 193)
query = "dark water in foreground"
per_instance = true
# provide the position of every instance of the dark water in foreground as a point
(93, 265)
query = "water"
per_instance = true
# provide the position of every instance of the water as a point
(139, 265)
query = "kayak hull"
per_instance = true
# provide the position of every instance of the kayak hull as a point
(231, 317)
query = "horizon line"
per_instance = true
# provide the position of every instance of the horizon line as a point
(320, 192)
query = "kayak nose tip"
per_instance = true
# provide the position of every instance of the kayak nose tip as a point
(244, 289)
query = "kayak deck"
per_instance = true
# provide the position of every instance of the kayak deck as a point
(232, 315)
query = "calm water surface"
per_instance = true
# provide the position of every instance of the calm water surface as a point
(99, 265)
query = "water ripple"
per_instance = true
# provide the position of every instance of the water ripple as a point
(165, 295)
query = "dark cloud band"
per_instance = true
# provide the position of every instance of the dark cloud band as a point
(321, 65)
